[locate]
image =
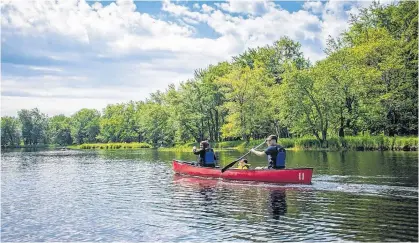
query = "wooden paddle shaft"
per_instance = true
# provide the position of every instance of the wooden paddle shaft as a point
(232, 163)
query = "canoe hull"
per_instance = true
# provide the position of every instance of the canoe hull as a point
(292, 175)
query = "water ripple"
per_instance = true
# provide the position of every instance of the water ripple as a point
(76, 196)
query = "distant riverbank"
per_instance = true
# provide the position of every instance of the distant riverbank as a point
(347, 143)
(33, 146)
(359, 143)
(111, 146)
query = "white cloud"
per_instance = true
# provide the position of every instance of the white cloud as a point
(253, 31)
(115, 52)
(50, 69)
(255, 7)
(313, 6)
(87, 25)
(206, 8)
(335, 19)
(190, 21)
(52, 106)
(67, 94)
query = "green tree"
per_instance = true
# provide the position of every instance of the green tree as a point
(306, 104)
(246, 91)
(132, 130)
(121, 123)
(273, 59)
(155, 122)
(112, 123)
(10, 132)
(59, 130)
(211, 99)
(342, 77)
(34, 126)
(188, 112)
(386, 39)
(85, 126)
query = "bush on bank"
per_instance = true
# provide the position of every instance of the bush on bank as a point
(358, 143)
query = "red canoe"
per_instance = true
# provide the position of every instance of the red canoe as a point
(298, 175)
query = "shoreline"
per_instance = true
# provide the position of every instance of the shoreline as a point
(355, 143)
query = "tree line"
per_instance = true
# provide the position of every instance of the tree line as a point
(367, 84)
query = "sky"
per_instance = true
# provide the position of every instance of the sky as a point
(62, 56)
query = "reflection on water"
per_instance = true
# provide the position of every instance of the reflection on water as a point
(134, 195)
(278, 203)
(271, 199)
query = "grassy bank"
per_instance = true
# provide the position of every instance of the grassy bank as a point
(306, 143)
(361, 143)
(310, 143)
(32, 146)
(111, 146)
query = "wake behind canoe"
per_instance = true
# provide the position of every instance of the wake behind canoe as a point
(291, 175)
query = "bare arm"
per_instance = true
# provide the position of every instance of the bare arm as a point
(196, 151)
(259, 153)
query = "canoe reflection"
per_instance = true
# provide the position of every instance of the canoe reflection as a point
(204, 187)
(195, 182)
(254, 197)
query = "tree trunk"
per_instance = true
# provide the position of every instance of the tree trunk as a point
(217, 129)
(324, 139)
(209, 130)
(354, 131)
(324, 131)
(212, 128)
(277, 129)
(201, 134)
(287, 133)
(342, 124)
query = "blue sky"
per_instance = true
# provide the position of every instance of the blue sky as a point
(67, 55)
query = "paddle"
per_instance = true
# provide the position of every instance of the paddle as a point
(232, 163)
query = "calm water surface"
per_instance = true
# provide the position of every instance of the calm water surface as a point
(135, 196)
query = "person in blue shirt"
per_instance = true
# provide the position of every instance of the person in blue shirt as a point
(275, 153)
(206, 154)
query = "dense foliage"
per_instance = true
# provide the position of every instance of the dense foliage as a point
(366, 85)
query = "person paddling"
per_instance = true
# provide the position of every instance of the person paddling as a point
(206, 154)
(275, 153)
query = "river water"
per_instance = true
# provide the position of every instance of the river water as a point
(133, 195)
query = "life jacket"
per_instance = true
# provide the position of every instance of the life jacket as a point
(277, 161)
(243, 167)
(280, 157)
(209, 157)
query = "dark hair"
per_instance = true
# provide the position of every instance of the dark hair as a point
(272, 137)
(204, 144)
(245, 161)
